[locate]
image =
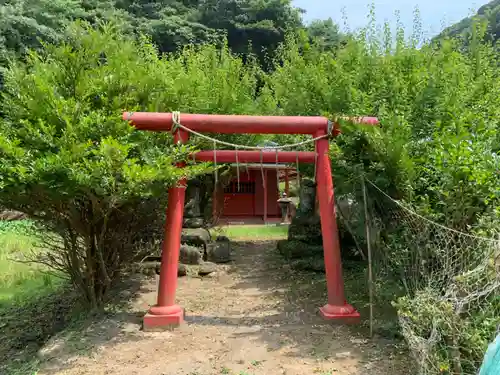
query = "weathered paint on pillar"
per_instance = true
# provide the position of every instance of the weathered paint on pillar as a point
(337, 307)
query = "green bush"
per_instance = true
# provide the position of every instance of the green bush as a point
(439, 109)
(69, 161)
(436, 151)
(442, 340)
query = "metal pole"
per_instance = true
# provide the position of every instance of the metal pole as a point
(369, 248)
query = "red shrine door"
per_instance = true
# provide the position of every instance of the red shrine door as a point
(240, 200)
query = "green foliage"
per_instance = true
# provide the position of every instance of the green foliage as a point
(69, 160)
(256, 232)
(436, 149)
(438, 143)
(489, 12)
(325, 33)
(259, 23)
(24, 24)
(18, 227)
(18, 279)
(457, 343)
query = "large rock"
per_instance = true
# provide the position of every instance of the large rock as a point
(190, 255)
(306, 229)
(153, 267)
(207, 268)
(199, 237)
(315, 264)
(298, 249)
(307, 196)
(195, 222)
(146, 268)
(181, 270)
(219, 251)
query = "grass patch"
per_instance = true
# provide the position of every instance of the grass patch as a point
(20, 280)
(36, 306)
(30, 299)
(254, 232)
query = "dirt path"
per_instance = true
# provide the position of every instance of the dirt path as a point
(251, 318)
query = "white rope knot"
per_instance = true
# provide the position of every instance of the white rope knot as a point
(176, 121)
(330, 127)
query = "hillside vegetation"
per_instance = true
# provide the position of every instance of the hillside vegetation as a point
(489, 12)
(97, 188)
(247, 25)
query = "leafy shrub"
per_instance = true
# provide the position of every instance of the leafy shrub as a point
(69, 161)
(436, 151)
(442, 340)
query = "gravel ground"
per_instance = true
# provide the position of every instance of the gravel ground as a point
(252, 317)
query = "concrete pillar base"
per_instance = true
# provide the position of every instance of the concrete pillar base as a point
(163, 318)
(345, 313)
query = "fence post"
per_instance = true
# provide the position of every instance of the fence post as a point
(369, 249)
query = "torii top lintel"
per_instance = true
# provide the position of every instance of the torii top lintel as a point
(238, 124)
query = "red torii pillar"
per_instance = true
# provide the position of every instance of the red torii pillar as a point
(166, 313)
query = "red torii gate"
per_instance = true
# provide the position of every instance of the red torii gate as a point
(166, 312)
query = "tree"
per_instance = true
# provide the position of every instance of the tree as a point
(261, 24)
(325, 33)
(171, 24)
(69, 161)
(489, 12)
(25, 23)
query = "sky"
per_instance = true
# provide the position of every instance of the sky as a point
(434, 13)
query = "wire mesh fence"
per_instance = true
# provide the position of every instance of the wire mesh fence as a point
(443, 284)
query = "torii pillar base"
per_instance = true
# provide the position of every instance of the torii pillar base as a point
(343, 314)
(163, 318)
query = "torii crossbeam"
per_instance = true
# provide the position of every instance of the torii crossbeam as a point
(166, 312)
